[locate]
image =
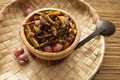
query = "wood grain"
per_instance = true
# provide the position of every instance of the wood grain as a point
(107, 10)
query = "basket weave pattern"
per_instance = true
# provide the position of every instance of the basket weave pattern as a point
(82, 64)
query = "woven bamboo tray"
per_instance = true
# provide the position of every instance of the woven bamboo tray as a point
(82, 64)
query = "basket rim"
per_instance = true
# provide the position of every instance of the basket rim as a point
(103, 41)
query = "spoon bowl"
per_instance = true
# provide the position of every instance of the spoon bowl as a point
(108, 27)
(104, 28)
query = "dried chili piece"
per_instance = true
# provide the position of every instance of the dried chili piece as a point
(34, 42)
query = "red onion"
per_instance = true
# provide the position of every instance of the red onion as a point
(28, 11)
(57, 47)
(23, 57)
(37, 22)
(47, 49)
(19, 51)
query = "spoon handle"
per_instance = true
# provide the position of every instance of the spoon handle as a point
(97, 32)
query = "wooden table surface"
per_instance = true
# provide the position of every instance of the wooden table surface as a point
(107, 10)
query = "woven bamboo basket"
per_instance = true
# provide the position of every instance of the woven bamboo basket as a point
(50, 56)
(82, 64)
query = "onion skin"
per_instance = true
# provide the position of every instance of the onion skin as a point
(57, 47)
(19, 51)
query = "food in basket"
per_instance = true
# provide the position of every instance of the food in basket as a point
(50, 33)
(50, 30)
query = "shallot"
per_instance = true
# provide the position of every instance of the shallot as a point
(57, 47)
(37, 22)
(23, 57)
(48, 49)
(28, 11)
(19, 51)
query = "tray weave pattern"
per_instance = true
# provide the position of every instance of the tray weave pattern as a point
(82, 64)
